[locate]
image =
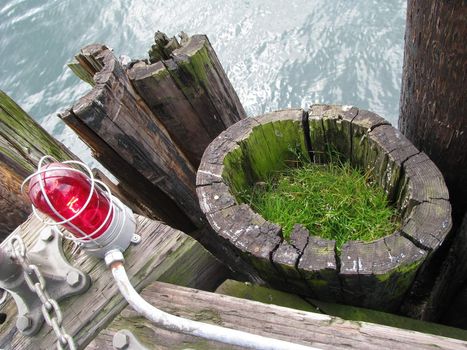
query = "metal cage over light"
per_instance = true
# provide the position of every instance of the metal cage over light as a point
(67, 194)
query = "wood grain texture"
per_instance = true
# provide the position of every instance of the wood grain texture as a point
(433, 94)
(163, 254)
(313, 329)
(132, 142)
(22, 143)
(189, 92)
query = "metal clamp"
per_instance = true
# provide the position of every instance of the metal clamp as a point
(61, 278)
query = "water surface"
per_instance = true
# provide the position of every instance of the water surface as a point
(277, 54)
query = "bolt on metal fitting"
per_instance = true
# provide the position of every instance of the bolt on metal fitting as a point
(23, 323)
(73, 278)
(120, 341)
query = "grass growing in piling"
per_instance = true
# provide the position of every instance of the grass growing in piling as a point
(333, 201)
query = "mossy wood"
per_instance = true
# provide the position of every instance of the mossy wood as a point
(373, 274)
(132, 143)
(164, 254)
(22, 143)
(148, 124)
(266, 295)
(313, 329)
(189, 92)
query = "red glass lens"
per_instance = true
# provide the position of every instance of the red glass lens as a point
(68, 191)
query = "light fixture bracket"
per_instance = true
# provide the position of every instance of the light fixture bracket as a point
(62, 280)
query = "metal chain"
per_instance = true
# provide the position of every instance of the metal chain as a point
(36, 282)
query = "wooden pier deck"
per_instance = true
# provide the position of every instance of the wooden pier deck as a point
(168, 255)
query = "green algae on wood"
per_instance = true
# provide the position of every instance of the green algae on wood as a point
(27, 136)
(186, 88)
(22, 143)
(272, 296)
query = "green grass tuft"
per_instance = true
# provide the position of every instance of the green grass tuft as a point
(333, 201)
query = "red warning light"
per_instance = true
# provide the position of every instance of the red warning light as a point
(64, 194)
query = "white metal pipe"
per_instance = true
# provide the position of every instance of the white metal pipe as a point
(198, 329)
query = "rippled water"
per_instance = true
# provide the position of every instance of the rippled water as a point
(277, 54)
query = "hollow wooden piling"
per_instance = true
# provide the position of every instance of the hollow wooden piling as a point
(375, 274)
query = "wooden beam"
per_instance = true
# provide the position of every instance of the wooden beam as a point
(273, 321)
(22, 143)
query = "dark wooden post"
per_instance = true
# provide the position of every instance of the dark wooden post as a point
(433, 100)
(432, 115)
(22, 143)
(131, 143)
(149, 124)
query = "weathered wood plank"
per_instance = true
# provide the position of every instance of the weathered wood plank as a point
(302, 327)
(22, 143)
(162, 47)
(164, 254)
(280, 136)
(166, 100)
(317, 134)
(145, 193)
(395, 150)
(271, 296)
(336, 123)
(423, 182)
(380, 270)
(319, 267)
(199, 62)
(363, 152)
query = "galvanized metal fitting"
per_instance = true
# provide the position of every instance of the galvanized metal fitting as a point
(113, 256)
(125, 340)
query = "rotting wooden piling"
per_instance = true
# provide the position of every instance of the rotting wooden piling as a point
(189, 92)
(375, 274)
(132, 143)
(150, 129)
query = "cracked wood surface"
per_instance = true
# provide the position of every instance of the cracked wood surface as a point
(148, 124)
(164, 254)
(190, 94)
(131, 142)
(374, 274)
(313, 329)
